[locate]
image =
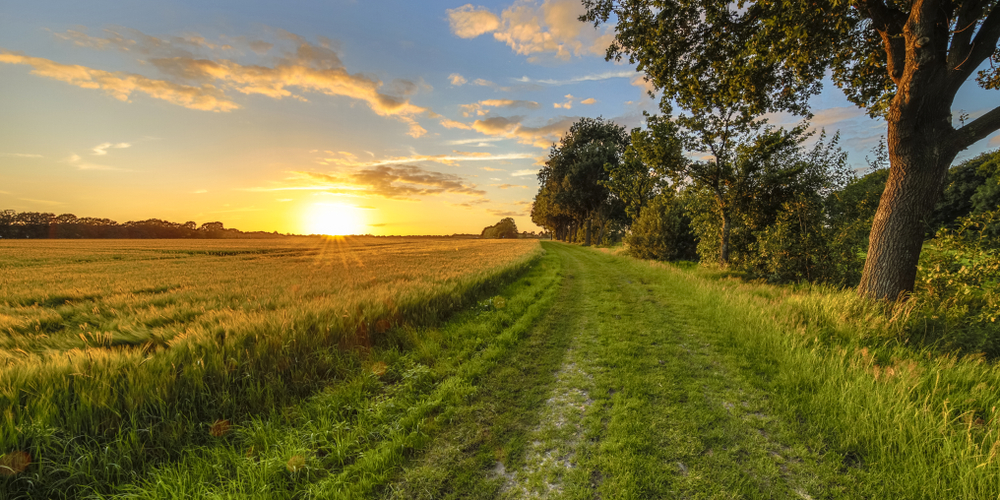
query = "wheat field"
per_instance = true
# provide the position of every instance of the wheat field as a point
(138, 343)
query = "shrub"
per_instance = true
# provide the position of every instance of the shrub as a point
(662, 231)
(957, 295)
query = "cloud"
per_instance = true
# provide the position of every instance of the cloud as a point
(472, 203)
(478, 108)
(121, 86)
(508, 186)
(43, 202)
(405, 182)
(644, 84)
(995, 141)
(525, 172)
(468, 21)
(541, 137)
(457, 79)
(480, 141)
(830, 116)
(445, 159)
(607, 75)
(589, 101)
(29, 155)
(102, 149)
(551, 28)
(448, 123)
(504, 213)
(200, 191)
(199, 82)
(565, 105)
(82, 164)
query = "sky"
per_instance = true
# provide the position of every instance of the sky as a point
(335, 116)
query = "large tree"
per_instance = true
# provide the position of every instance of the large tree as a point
(902, 60)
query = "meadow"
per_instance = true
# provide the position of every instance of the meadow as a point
(395, 368)
(114, 354)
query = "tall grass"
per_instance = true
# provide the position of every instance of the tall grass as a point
(915, 421)
(114, 355)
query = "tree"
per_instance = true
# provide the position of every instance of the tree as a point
(505, 229)
(572, 181)
(642, 172)
(904, 61)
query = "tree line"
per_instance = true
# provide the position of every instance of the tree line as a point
(770, 207)
(37, 225)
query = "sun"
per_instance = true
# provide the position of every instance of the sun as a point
(334, 219)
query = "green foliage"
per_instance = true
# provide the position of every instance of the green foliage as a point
(505, 229)
(662, 231)
(972, 187)
(571, 184)
(958, 286)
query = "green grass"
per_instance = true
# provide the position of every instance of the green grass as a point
(600, 376)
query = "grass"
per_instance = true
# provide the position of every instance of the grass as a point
(591, 375)
(649, 381)
(252, 326)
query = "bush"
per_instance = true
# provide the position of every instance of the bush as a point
(957, 297)
(662, 231)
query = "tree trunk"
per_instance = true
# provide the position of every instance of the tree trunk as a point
(587, 235)
(919, 156)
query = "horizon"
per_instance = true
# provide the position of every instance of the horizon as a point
(432, 120)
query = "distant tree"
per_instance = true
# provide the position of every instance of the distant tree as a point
(505, 229)
(571, 180)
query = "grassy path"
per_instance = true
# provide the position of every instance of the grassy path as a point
(624, 390)
(597, 376)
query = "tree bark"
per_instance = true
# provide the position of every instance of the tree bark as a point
(922, 144)
(586, 242)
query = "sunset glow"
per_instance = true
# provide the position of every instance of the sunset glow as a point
(435, 116)
(335, 219)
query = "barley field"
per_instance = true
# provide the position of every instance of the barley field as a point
(139, 343)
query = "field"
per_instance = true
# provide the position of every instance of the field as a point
(393, 368)
(136, 346)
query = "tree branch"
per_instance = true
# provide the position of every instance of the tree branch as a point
(965, 27)
(889, 22)
(982, 47)
(976, 130)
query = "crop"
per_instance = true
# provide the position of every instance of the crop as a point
(135, 348)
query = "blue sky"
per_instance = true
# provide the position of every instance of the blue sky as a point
(389, 117)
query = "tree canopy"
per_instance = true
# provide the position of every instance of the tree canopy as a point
(572, 187)
(727, 63)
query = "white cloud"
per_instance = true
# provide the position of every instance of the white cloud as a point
(589, 101)
(102, 149)
(121, 86)
(468, 21)
(479, 108)
(542, 137)
(607, 75)
(204, 83)
(457, 79)
(525, 172)
(551, 28)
